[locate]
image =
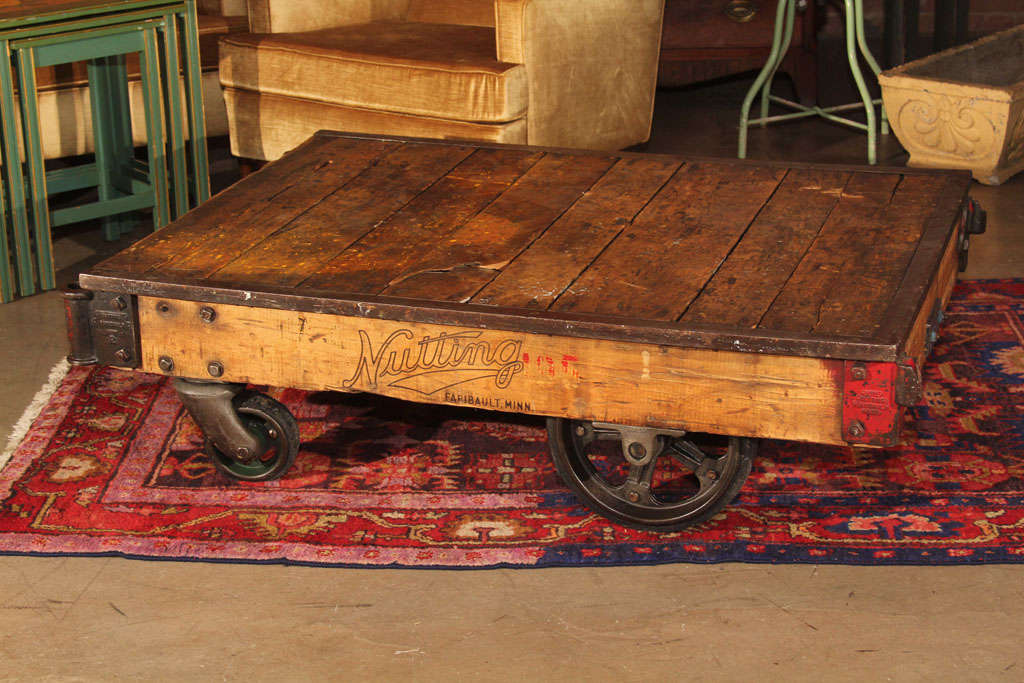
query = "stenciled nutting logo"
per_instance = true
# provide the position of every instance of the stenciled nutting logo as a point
(435, 362)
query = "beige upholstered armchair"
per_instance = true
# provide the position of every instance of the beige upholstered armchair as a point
(567, 73)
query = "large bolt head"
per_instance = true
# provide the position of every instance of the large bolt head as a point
(207, 314)
(637, 450)
(859, 372)
(856, 429)
(166, 363)
(215, 368)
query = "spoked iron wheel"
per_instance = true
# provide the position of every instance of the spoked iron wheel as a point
(654, 480)
(276, 431)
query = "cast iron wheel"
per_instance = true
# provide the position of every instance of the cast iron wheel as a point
(274, 427)
(685, 483)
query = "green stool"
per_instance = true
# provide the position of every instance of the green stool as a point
(114, 170)
(855, 42)
(102, 33)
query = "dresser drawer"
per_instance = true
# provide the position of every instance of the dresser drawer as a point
(721, 23)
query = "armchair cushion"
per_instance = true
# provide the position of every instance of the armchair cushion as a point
(265, 126)
(435, 70)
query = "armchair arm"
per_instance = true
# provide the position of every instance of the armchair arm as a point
(591, 67)
(286, 16)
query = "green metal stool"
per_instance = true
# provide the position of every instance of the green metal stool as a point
(855, 42)
(102, 33)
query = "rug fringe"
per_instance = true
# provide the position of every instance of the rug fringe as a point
(39, 401)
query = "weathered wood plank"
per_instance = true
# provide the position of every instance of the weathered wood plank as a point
(848, 277)
(500, 232)
(541, 273)
(916, 342)
(868, 285)
(798, 306)
(913, 295)
(759, 395)
(455, 284)
(246, 199)
(655, 268)
(301, 247)
(613, 328)
(384, 254)
(222, 244)
(755, 272)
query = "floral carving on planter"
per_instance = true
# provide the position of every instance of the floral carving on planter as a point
(947, 125)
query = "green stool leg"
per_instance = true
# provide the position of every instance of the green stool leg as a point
(197, 120)
(175, 115)
(103, 137)
(152, 92)
(121, 126)
(13, 175)
(36, 169)
(6, 273)
(862, 43)
(787, 38)
(773, 55)
(854, 9)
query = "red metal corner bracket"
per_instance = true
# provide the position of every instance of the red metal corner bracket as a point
(871, 414)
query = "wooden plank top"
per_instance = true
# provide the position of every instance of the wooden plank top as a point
(794, 259)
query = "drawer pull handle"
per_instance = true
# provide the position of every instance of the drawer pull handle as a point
(741, 11)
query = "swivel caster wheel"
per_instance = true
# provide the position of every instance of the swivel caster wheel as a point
(649, 479)
(274, 428)
(249, 436)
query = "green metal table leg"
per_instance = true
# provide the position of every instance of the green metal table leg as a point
(152, 92)
(36, 171)
(103, 134)
(855, 10)
(862, 43)
(787, 38)
(194, 92)
(15, 182)
(175, 115)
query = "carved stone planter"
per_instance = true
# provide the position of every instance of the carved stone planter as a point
(962, 108)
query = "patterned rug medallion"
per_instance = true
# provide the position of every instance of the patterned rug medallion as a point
(113, 466)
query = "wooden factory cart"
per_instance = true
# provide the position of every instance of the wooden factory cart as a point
(635, 300)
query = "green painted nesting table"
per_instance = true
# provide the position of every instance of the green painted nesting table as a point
(37, 34)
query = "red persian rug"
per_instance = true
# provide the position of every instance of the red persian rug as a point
(113, 466)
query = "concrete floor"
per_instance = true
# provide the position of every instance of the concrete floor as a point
(108, 618)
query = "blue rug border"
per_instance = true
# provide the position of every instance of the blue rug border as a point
(771, 556)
